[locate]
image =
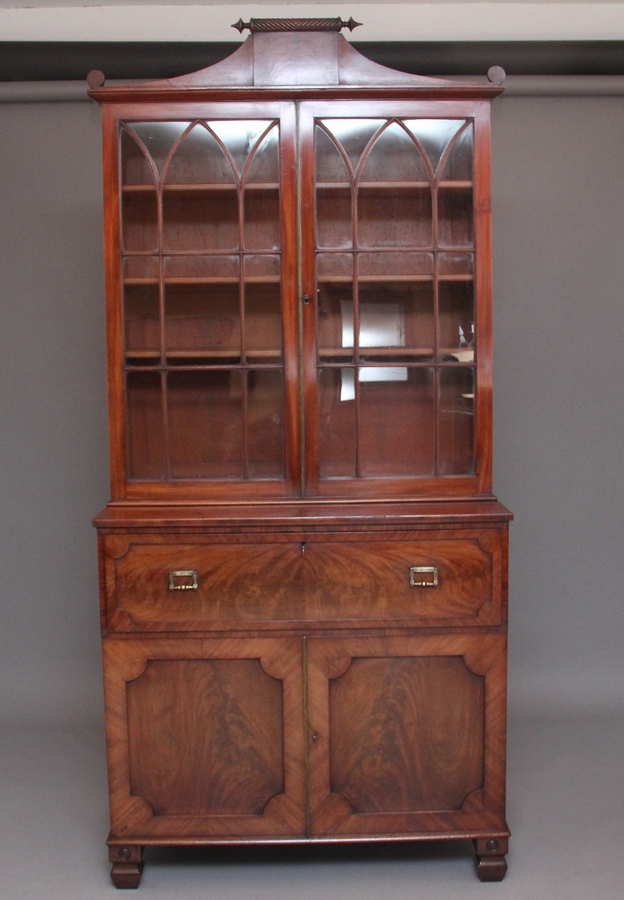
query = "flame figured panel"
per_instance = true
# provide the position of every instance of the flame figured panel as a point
(406, 734)
(205, 737)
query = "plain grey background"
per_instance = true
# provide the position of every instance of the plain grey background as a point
(558, 463)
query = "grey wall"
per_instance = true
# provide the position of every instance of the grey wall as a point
(559, 416)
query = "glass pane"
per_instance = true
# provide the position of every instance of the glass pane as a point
(458, 164)
(240, 139)
(334, 225)
(144, 411)
(456, 421)
(200, 220)
(159, 139)
(205, 424)
(434, 135)
(261, 195)
(335, 322)
(396, 322)
(395, 157)
(456, 321)
(139, 219)
(263, 323)
(199, 159)
(336, 423)
(262, 218)
(334, 218)
(263, 266)
(265, 424)
(141, 324)
(396, 421)
(353, 136)
(202, 321)
(202, 268)
(455, 198)
(394, 217)
(334, 265)
(456, 266)
(455, 228)
(398, 265)
(394, 194)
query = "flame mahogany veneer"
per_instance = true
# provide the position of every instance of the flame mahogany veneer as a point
(303, 569)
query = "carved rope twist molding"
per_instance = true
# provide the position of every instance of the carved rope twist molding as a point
(259, 25)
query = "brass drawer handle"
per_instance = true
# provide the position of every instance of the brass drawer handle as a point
(184, 586)
(418, 576)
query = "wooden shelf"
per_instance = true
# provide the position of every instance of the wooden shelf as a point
(213, 279)
(349, 353)
(384, 279)
(203, 354)
(403, 185)
(196, 188)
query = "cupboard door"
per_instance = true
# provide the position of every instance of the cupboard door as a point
(390, 249)
(205, 737)
(207, 276)
(406, 734)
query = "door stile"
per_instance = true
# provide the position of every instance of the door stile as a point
(309, 296)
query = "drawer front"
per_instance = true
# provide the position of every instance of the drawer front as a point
(177, 584)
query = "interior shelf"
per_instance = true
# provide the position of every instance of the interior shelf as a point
(203, 354)
(384, 279)
(197, 188)
(214, 279)
(403, 352)
(385, 185)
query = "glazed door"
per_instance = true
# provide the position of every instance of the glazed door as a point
(208, 365)
(396, 245)
(205, 737)
(406, 734)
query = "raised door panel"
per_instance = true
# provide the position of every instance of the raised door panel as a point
(407, 735)
(205, 738)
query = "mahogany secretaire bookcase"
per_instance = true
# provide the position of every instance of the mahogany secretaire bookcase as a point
(303, 568)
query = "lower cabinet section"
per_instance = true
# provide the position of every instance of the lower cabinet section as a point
(305, 738)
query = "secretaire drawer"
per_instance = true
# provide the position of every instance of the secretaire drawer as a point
(172, 583)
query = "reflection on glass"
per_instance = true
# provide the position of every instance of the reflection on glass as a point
(394, 157)
(456, 321)
(334, 332)
(458, 164)
(240, 138)
(261, 196)
(396, 322)
(434, 135)
(199, 159)
(352, 136)
(159, 139)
